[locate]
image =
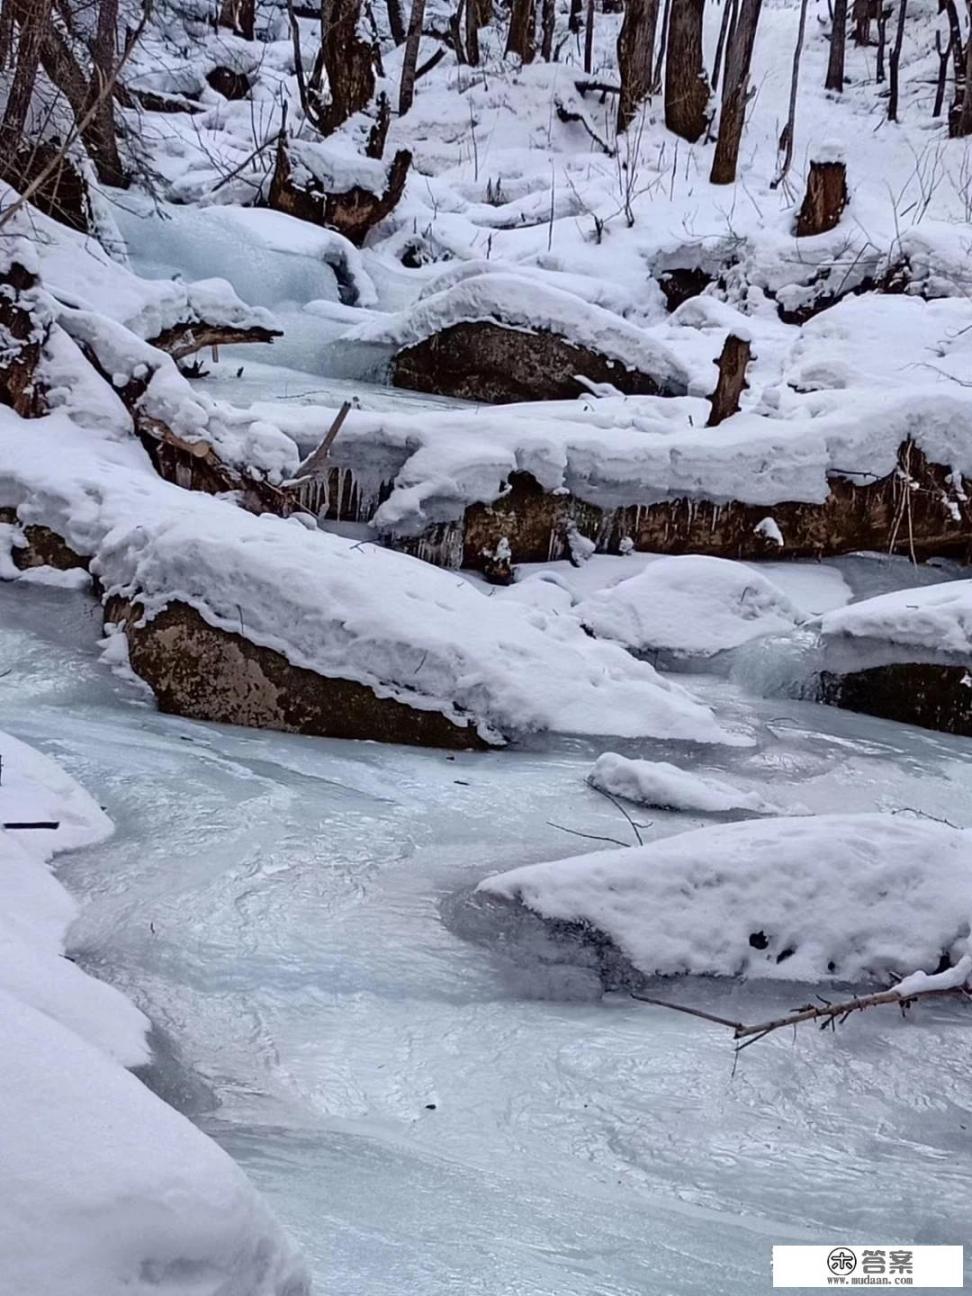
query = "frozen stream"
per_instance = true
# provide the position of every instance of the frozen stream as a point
(424, 1122)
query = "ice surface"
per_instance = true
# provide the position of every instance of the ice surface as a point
(274, 902)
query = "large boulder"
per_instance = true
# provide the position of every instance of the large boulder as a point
(504, 338)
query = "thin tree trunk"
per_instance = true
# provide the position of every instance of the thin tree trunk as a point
(548, 19)
(944, 58)
(656, 79)
(790, 127)
(576, 20)
(862, 20)
(396, 23)
(739, 55)
(686, 89)
(882, 26)
(963, 116)
(838, 40)
(589, 38)
(472, 32)
(895, 60)
(98, 134)
(636, 47)
(725, 27)
(410, 59)
(520, 39)
(34, 17)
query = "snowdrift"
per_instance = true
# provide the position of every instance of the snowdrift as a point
(107, 1190)
(661, 784)
(850, 898)
(692, 605)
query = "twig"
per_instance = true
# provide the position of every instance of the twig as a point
(590, 836)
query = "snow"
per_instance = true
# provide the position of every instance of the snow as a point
(659, 783)
(690, 605)
(932, 619)
(821, 898)
(107, 1190)
(344, 609)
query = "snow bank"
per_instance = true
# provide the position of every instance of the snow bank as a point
(347, 610)
(823, 898)
(660, 784)
(519, 302)
(691, 605)
(935, 618)
(107, 1191)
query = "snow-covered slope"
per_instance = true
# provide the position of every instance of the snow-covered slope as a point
(107, 1191)
(821, 898)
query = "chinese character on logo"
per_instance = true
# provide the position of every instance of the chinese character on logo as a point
(873, 1262)
(842, 1260)
(900, 1262)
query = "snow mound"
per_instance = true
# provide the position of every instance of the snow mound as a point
(660, 784)
(822, 898)
(519, 302)
(935, 618)
(691, 605)
(346, 610)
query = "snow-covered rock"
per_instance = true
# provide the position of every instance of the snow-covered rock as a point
(661, 784)
(344, 610)
(933, 619)
(821, 898)
(691, 605)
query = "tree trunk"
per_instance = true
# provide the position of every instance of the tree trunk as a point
(636, 47)
(33, 17)
(735, 89)
(396, 23)
(99, 135)
(472, 33)
(725, 27)
(825, 199)
(520, 40)
(410, 59)
(962, 119)
(838, 40)
(732, 380)
(589, 37)
(349, 61)
(862, 21)
(944, 58)
(789, 129)
(656, 78)
(882, 26)
(686, 89)
(576, 20)
(895, 60)
(548, 20)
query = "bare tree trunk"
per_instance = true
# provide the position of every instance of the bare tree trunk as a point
(520, 39)
(725, 27)
(548, 19)
(98, 132)
(472, 33)
(895, 60)
(636, 47)
(396, 23)
(838, 40)
(962, 118)
(786, 142)
(739, 55)
(882, 26)
(656, 79)
(410, 59)
(944, 58)
(349, 61)
(724, 401)
(576, 20)
(33, 17)
(862, 21)
(686, 89)
(100, 101)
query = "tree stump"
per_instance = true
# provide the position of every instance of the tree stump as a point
(825, 199)
(732, 383)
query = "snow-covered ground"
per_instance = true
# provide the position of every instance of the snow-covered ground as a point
(425, 1116)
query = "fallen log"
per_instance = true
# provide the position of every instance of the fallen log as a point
(184, 338)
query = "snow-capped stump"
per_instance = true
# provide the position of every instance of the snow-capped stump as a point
(350, 194)
(505, 338)
(826, 196)
(905, 656)
(662, 785)
(838, 898)
(691, 605)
